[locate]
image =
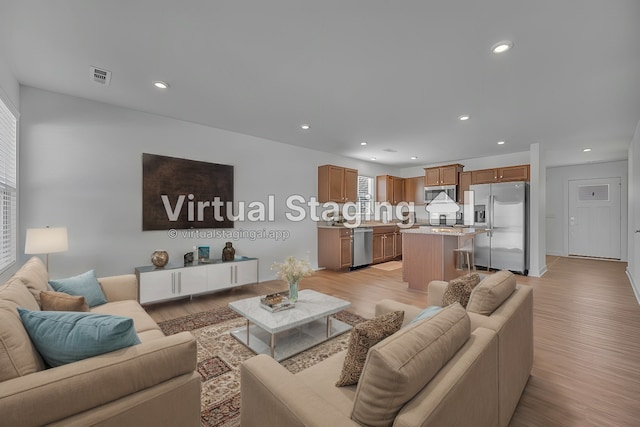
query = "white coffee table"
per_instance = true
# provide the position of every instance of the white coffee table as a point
(286, 333)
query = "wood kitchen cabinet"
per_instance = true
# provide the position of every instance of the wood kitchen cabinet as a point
(397, 244)
(385, 246)
(334, 247)
(337, 184)
(389, 189)
(414, 190)
(464, 181)
(442, 175)
(514, 173)
(505, 174)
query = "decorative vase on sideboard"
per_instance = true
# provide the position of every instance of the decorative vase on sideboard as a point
(159, 258)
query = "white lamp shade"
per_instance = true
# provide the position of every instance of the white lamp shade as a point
(46, 240)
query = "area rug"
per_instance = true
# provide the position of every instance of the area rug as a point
(220, 356)
(388, 266)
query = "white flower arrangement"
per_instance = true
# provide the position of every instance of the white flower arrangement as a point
(292, 269)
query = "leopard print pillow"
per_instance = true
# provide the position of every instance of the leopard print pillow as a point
(364, 336)
(459, 289)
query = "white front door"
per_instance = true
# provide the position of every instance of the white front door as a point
(594, 217)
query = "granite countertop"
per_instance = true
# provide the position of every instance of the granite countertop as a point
(445, 231)
(368, 224)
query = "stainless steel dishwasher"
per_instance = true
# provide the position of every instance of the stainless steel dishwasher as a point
(362, 248)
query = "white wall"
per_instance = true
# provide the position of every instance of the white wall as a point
(9, 87)
(633, 267)
(537, 203)
(81, 167)
(557, 212)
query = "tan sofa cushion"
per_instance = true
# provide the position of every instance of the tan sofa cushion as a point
(491, 292)
(142, 322)
(18, 357)
(401, 365)
(459, 289)
(15, 291)
(59, 301)
(35, 276)
(364, 336)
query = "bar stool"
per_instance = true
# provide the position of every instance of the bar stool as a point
(464, 254)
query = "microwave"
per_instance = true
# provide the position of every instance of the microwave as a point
(430, 193)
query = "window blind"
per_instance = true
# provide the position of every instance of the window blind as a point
(365, 194)
(8, 186)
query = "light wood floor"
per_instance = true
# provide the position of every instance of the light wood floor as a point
(586, 369)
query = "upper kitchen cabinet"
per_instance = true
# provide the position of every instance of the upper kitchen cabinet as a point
(414, 190)
(464, 181)
(337, 184)
(389, 189)
(442, 175)
(505, 174)
(514, 173)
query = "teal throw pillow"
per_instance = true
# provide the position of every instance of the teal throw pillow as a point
(426, 313)
(84, 285)
(63, 337)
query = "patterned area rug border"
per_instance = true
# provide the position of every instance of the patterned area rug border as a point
(195, 321)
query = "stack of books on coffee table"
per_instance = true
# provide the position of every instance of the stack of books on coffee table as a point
(276, 302)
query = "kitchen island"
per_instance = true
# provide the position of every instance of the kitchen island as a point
(431, 253)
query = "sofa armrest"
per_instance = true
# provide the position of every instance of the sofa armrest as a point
(120, 288)
(61, 392)
(389, 305)
(435, 292)
(273, 396)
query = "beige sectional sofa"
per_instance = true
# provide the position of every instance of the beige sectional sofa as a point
(473, 377)
(511, 319)
(150, 384)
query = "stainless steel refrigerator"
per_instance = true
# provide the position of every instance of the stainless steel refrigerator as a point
(502, 209)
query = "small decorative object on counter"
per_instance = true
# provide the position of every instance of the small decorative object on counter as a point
(292, 270)
(188, 258)
(159, 258)
(203, 253)
(228, 252)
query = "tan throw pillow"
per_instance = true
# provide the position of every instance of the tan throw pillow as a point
(491, 292)
(59, 301)
(364, 336)
(403, 364)
(459, 289)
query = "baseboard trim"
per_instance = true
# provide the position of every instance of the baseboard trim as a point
(633, 285)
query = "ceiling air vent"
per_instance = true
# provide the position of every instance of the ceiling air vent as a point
(100, 76)
(390, 150)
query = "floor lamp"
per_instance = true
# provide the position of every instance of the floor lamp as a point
(46, 241)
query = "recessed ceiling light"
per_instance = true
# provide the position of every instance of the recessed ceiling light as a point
(464, 117)
(586, 150)
(414, 157)
(363, 143)
(500, 142)
(501, 47)
(161, 85)
(373, 158)
(305, 127)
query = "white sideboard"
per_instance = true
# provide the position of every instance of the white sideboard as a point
(177, 281)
